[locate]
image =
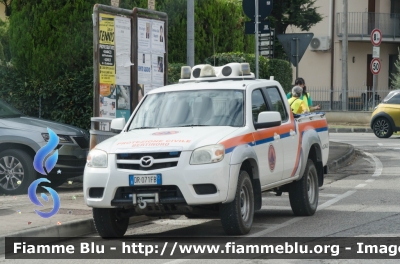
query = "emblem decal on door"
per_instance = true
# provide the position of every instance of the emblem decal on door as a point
(271, 157)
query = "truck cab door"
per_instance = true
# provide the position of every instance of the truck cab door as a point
(289, 136)
(268, 145)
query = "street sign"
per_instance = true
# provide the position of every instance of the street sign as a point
(151, 4)
(266, 43)
(264, 8)
(266, 52)
(289, 44)
(263, 27)
(376, 52)
(376, 37)
(375, 66)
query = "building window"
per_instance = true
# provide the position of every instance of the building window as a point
(395, 7)
(392, 69)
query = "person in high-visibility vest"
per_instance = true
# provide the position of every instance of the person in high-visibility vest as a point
(305, 96)
(296, 104)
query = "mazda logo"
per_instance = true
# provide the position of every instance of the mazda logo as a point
(146, 161)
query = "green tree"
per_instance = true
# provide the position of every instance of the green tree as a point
(299, 13)
(395, 78)
(5, 54)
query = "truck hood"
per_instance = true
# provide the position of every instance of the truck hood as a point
(39, 125)
(165, 139)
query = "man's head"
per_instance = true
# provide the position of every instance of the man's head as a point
(297, 91)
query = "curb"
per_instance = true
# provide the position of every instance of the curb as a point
(74, 228)
(350, 130)
(334, 165)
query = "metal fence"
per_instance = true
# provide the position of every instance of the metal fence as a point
(361, 24)
(357, 99)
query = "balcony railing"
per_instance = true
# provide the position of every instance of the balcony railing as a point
(361, 24)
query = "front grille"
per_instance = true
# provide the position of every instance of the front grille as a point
(162, 160)
(155, 166)
(82, 142)
(71, 161)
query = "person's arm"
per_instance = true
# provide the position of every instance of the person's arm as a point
(310, 103)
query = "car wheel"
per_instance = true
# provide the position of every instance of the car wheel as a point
(237, 216)
(16, 171)
(303, 194)
(108, 224)
(382, 128)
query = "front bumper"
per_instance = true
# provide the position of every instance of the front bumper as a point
(180, 179)
(71, 162)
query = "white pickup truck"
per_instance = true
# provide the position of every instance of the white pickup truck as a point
(211, 144)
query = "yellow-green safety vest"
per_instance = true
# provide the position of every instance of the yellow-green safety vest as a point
(295, 104)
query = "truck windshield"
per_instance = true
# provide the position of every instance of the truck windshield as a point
(190, 108)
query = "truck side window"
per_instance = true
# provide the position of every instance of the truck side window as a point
(258, 104)
(277, 102)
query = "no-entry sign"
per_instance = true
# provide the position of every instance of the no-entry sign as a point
(375, 66)
(376, 37)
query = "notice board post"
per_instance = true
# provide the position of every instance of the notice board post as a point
(120, 77)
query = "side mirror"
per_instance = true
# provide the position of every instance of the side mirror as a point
(268, 119)
(117, 125)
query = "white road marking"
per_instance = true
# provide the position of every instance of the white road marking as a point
(380, 144)
(378, 165)
(370, 180)
(328, 195)
(361, 185)
(335, 200)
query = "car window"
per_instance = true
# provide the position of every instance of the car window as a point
(7, 110)
(394, 99)
(258, 104)
(277, 102)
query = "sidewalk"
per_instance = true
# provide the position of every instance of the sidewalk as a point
(349, 128)
(18, 218)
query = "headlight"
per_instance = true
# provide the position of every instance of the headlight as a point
(61, 138)
(97, 159)
(208, 154)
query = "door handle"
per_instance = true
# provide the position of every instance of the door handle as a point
(292, 133)
(277, 136)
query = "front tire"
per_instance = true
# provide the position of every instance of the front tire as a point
(16, 171)
(108, 224)
(382, 128)
(303, 194)
(237, 216)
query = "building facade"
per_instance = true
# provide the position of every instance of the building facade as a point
(321, 65)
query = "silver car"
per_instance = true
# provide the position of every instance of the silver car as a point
(21, 137)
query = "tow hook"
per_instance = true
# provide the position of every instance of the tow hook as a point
(142, 203)
(143, 199)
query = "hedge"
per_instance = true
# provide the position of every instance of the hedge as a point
(67, 99)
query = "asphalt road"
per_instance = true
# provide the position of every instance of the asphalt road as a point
(359, 200)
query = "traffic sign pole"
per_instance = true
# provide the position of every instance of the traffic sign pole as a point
(376, 39)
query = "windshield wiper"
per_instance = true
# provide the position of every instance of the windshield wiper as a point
(142, 128)
(192, 125)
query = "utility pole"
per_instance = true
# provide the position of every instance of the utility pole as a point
(256, 35)
(344, 55)
(190, 33)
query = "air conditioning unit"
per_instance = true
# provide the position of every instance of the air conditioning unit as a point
(320, 43)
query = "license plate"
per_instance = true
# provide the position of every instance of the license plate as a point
(151, 179)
